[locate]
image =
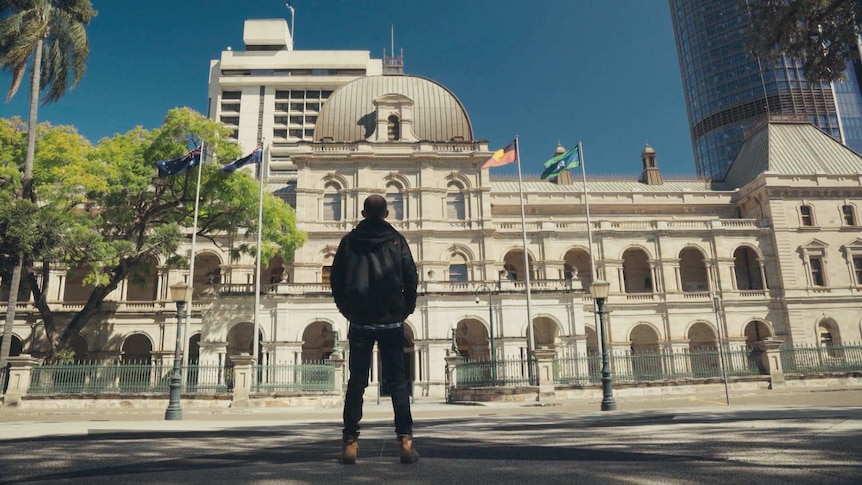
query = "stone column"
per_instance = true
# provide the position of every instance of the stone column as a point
(771, 359)
(452, 363)
(20, 369)
(545, 373)
(243, 376)
(338, 380)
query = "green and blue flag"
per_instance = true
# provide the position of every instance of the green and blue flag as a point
(570, 159)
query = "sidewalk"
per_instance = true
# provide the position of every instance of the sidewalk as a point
(30, 424)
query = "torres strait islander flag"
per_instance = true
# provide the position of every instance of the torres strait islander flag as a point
(503, 156)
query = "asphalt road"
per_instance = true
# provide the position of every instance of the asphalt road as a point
(704, 443)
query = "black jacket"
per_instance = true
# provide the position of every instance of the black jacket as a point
(373, 277)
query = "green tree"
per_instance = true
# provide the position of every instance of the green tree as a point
(109, 213)
(49, 35)
(822, 34)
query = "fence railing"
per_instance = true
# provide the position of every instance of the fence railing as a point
(487, 373)
(122, 378)
(308, 376)
(627, 367)
(807, 359)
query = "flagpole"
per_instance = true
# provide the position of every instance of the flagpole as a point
(185, 342)
(531, 342)
(593, 272)
(256, 336)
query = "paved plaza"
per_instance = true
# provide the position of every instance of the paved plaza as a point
(792, 438)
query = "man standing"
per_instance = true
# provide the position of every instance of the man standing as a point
(374, 281)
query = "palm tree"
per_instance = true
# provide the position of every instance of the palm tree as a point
(49, 35)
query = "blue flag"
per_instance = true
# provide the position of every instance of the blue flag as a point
(253, 157)
(179, 165)
(554, 166)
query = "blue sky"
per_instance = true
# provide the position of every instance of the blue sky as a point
(604, 72)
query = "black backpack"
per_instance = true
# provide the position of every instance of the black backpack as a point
(374, 279)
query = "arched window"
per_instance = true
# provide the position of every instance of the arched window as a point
(513, 263)
(692, 271)
(458, 267)
(577, 266)
(326, 270)
(829, 336)
(455, 207)
(331, 202)
(637, 272)
(393, 128)
(806, 216)
(746, 269)
(395, 201)
(849, 215)
(143, 281)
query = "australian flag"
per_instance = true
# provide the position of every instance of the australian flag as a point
(251, 158)
(179, 165)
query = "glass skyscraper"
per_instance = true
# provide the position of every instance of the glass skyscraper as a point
(728, 93)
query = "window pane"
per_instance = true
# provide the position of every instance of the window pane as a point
(817, 272)
(455, 206)
(857, 269)
(332, 207)
(457, 272)
(849, 217)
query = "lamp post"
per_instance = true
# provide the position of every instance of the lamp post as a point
(600, 290)
(484, 288)
(716, 302)
(180, 293)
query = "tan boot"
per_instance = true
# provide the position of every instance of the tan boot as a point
(349, 449)
(408, 454)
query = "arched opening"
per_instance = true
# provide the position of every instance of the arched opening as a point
(829, 336)
(637, 275)
(317, 342)
(78, 344)
(755, 331)
(646, 356)
(240, 340)
(207, 272)
(513, 263)
(275, 270)
(546, 333)
(455, 203)
(395, 201)
(578, 266)
(194, 349)
(458, 267)
(332, 202)
(137, 349)
(143, 281)
(472, 339)
(393, 128)
(16, 347)
(692, 271)
(703, 350)
(74, 289)
(137, 355)
(746, 269)
(326, 269)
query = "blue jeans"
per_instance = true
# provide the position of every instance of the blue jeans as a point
(390, 345)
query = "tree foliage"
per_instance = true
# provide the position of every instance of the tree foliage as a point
(60, 25)
(821, 34)
(103, 208)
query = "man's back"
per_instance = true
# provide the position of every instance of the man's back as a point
(373, 276)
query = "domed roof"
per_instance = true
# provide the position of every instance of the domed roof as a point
(350, 115)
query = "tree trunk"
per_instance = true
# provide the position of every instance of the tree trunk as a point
(26, 194)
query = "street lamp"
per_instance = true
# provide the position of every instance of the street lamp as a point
(180, 293)
(484, 288)
(600, 290)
